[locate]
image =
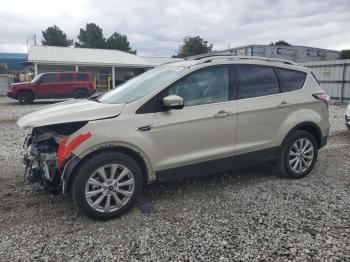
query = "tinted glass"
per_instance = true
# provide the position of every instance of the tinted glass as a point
(257, 81)
(82, 77)
(66, 77)
(291, 80)
(49, 78)
(203, 87)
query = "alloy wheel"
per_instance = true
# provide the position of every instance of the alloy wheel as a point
(109, 188)
(301, 155)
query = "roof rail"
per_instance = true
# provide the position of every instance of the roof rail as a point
(209, 58)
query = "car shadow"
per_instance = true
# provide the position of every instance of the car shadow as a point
(243, 177)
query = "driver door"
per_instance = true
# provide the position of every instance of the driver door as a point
(48, 86)
(200, 138)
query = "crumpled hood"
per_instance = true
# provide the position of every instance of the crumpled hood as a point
(70, 111)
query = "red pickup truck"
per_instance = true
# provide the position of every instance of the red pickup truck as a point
(53, 85)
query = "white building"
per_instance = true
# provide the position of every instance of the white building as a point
(104, 64)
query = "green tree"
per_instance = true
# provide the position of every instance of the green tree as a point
(91, 37)
(280, 42)
(193, 46)
(345, 54)
(119, 42)
(54, 36)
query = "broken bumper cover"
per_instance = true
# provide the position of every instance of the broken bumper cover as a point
(40, 164)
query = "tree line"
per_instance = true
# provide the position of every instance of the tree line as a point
(92, 37)
(89, 37)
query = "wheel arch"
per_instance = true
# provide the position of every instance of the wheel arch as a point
(310, 127)
(24, 90)
(80, 88)
(74, 164)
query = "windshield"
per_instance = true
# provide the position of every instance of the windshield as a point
(140, 85)
(36, 78)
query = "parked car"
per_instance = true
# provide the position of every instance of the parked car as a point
(176, 121)
(53, 85)
(347, 117)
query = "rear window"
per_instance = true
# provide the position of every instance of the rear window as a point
(82, 77)
(291, 80)
(49, 78)
(66, 77)
(257, 81)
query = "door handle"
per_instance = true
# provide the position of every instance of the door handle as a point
(283, 104)
(144, 128)
(222, 113)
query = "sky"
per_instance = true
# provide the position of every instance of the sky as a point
(157, 27)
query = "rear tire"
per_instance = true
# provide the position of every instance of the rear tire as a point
(25, 97)
(298, 155)
(115, 176)
(80, 94)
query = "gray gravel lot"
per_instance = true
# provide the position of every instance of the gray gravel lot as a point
(249, 215)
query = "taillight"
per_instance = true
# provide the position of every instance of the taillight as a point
(64, 151)
(322, 96)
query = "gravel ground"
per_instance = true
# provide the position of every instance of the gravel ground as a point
(249, 215)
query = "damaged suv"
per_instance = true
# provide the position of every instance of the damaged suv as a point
(179, 120)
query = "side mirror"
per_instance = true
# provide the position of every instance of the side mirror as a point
(173, 102)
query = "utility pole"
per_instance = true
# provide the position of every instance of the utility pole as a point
(34, 39)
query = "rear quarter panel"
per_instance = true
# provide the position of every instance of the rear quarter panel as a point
(309, 108)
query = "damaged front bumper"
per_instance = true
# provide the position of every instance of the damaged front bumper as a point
(40, 162)
(47, 159)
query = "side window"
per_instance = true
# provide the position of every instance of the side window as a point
(66, 77)
(49, 78)
(82, 77)
(257, 81)
(203, 87)
(291, 80)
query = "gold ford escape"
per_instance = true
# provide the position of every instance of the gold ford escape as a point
(179, 120)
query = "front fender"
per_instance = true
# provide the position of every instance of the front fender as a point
(74, 161)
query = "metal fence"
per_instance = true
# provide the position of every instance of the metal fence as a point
(334, 77)
(5, 81)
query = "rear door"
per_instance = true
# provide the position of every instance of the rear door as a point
(263, 111)
(66, 87)
(200, 138)
(82, 81)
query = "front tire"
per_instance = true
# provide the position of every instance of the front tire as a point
(298, 155)
(106, 185)
(25, 97)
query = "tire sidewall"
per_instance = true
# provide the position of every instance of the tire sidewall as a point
(91, 165)
(286, 169)
(25, 97)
